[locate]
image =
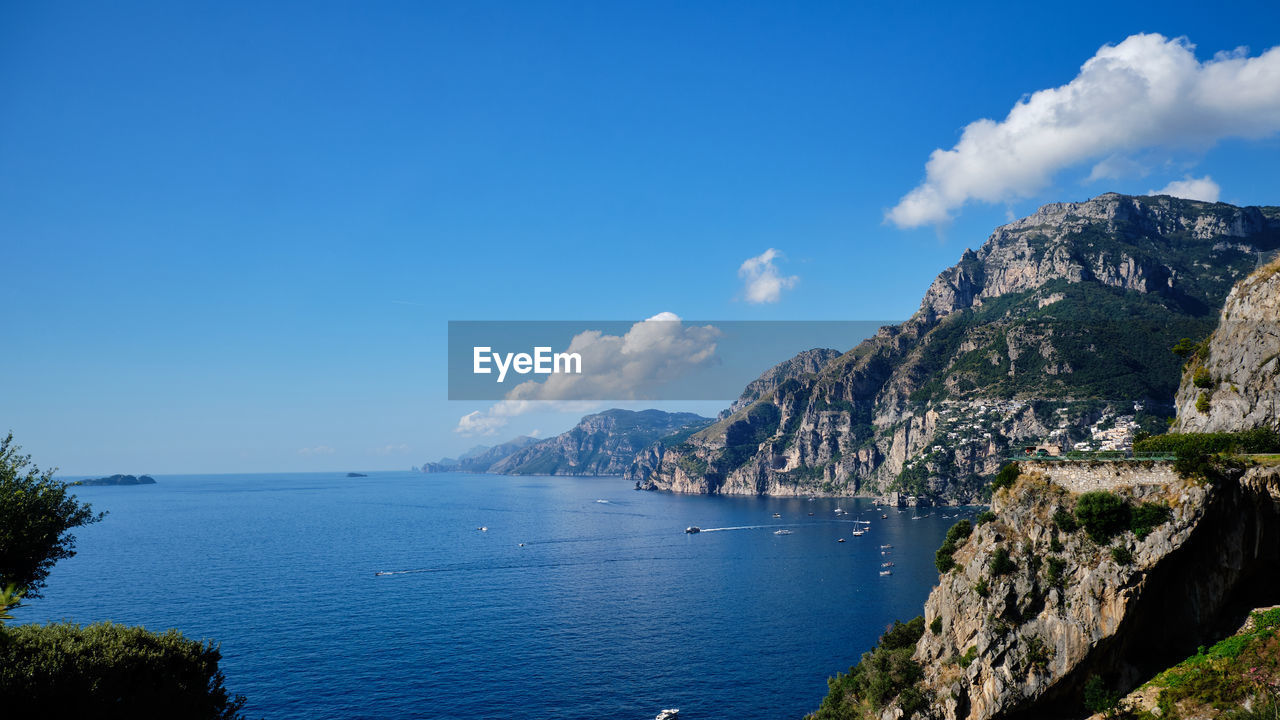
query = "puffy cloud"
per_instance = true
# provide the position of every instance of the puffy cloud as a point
(1146, 92)
(631, 366)
(762, 281)
(479, 423)
(317, 450)
(1191, 188)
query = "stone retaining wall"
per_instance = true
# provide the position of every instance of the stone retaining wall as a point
(1084, 476)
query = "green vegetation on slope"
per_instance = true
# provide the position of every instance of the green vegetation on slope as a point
(1242, 669)
(884, 674)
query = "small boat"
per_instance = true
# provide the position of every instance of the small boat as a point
(382, 573)
(839, 511)
(693, 529)
(883, 516)
(810, 514)
(840, 540)
(859, 532)
(777, 515)
(521, 544)
(669, 714)
(781, 532)
(885, 572)
(887, 564)
(483, 528)
(885, 546)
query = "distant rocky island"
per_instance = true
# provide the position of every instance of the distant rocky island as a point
(355, 474)
(604, 443)
(119, 480)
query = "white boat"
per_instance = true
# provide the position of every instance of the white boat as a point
(777, 515)
(886, 572)
(839, 511)
(858, 530)
(781, 532)
(840, 540)
(693, 529)
(669, 714)
(885, 546)
(887, 564)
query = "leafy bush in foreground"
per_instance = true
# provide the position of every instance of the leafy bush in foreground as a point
(884, 673)
(106, 670)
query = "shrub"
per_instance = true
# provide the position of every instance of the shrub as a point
(986, 517)
(1097, 698)
(1055, 545)
(982, 588)
(956, 537)
(1102, 514)
(64, 670)
(886, 672)
(1201, 378)
(960, 532)
(1257, 440)
(1202, 403)
(967, 659)
(1064, 520)
(1006, 477)
(1147, 516)
(1037, 654)
(935, 627)
(1001, 564)
(1054, 574)
(942, 559)
(1121, 555)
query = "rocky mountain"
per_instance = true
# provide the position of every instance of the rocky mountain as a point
(479, 459)
(809, 362)
(605, 443)
(1088, 580)
(1056, 329)
(1037, 609)
(1233, 380)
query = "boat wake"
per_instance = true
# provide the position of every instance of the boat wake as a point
(751, 527)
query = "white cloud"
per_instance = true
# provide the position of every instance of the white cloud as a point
(762, 281)
(479, 423)
(1146, 92)
(631, 366)
(317, 450)
(1190, 188)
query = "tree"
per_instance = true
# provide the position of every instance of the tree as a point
(37, 515)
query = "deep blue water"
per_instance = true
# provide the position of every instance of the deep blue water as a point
(608, 611)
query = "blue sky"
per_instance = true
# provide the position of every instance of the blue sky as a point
(234, 232)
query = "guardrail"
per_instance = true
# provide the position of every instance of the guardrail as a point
(1101, 456)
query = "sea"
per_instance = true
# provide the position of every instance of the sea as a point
(408, 595)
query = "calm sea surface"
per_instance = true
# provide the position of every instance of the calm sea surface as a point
(608, 610)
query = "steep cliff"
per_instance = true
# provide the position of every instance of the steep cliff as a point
(1058, 326)
(605, 443)
(1233, 381)
(1044, 629)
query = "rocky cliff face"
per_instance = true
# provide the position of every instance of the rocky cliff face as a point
(605, 443)
(1060, 320)
(1234, 382)
(479, 459)
(1069, 608)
